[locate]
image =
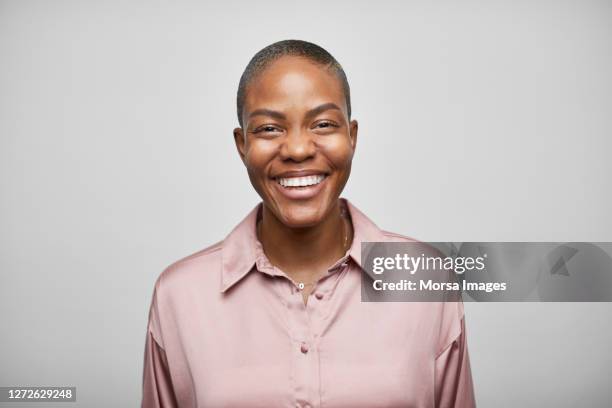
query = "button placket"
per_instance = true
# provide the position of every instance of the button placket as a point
(304, 365)
(308, 321)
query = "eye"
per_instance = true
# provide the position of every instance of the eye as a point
(267, 129)
(325, 124)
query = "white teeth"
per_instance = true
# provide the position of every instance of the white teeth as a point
(300, 181)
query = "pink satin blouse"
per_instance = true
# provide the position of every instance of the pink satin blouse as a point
(228, 329)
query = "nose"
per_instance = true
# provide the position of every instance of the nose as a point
(298, 145)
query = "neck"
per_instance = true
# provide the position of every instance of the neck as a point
(304, 252)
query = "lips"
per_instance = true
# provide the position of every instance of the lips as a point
(300, 185)
(304, 181)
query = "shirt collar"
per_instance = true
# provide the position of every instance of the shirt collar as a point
(239, 249)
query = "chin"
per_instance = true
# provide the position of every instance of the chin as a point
(302, 215)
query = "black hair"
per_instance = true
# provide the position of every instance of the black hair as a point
(295, 48)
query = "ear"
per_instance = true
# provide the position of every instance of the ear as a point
(353, 128)
(240, 141)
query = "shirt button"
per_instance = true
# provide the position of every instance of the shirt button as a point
(319, 296)
(304, 348)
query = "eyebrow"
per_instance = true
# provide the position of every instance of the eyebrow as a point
(322, 108)
(268, 112)
(281, 116)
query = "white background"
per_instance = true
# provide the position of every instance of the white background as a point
(479, 121)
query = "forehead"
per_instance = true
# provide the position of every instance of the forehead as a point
(294, 82)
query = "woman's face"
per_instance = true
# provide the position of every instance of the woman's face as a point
(297, 143)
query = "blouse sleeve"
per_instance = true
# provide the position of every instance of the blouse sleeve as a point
(453, 376)
(157, 389)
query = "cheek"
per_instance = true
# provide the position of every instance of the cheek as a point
(339, 152)
(258, 155)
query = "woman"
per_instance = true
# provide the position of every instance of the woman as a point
(271, 316)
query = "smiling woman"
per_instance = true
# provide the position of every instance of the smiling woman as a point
(271, 316)
(296, 124)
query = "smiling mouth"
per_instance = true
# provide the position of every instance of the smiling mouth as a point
(300, 182)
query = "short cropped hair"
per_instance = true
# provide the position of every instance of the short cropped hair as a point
(295, 48)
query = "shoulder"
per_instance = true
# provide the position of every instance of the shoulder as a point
(194, 270)
(448, 315)
(395, 237)
(178, 284)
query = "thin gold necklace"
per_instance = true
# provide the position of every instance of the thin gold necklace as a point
(345, 245)
(303, 285)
